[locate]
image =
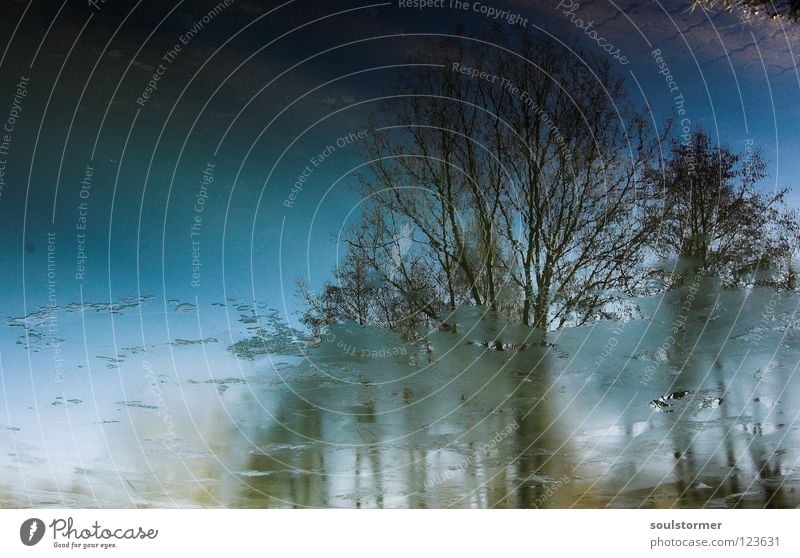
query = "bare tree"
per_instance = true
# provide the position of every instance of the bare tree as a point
(383, 279)
(522, 180)
(715, 213)
(575, 154)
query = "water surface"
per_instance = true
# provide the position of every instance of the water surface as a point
(692, 404)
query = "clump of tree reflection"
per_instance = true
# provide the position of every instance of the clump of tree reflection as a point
(523, 188)
(527, 183)
(716, 212)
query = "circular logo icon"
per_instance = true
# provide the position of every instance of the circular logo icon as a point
(31, 531)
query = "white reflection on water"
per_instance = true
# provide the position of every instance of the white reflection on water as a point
(140, 422)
